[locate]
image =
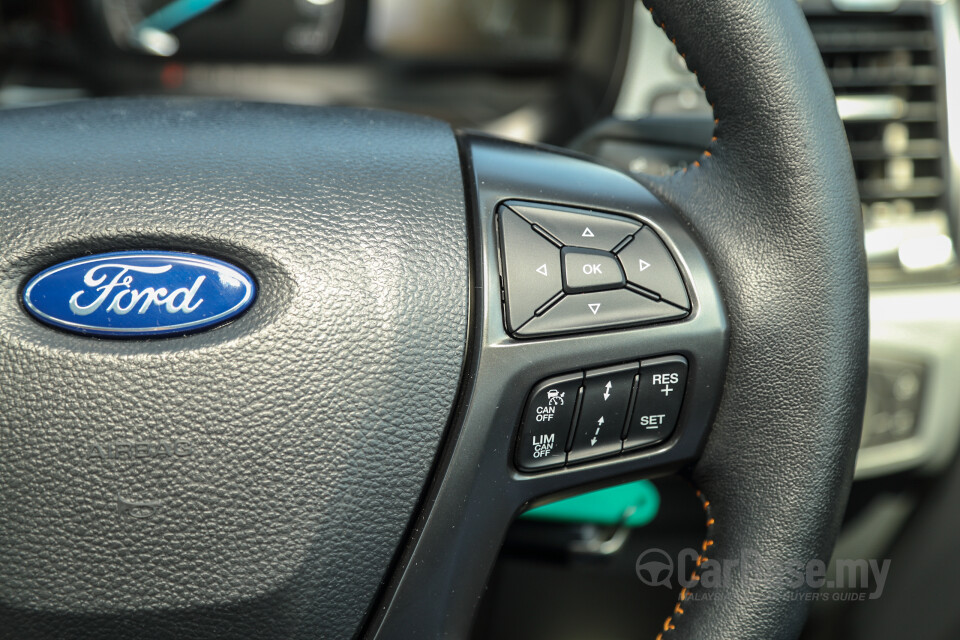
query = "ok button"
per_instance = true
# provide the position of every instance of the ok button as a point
(590, 270)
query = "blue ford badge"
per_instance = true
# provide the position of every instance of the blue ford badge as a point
(130, 294)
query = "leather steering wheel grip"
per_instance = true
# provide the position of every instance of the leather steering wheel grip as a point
(775, 203)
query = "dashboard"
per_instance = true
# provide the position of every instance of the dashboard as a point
(897, 93)
(549, 71)
(532, 70)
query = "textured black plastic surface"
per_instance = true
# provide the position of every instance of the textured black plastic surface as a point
(303, 432)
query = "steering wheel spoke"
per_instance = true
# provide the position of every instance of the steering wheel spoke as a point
(484, 484)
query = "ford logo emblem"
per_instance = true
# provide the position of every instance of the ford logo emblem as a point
(136, 294)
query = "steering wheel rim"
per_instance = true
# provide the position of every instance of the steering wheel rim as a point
(799, 290)
(767, 229)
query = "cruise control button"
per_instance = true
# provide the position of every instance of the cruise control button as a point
(659, 399)
(590, 270)
(600, 310)
(531, 269)
(606, 394)
(578, 228)
(546, 423)
(648, 264)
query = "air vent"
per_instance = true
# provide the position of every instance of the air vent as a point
(888, 78)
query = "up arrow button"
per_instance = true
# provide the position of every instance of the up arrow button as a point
(573, 228)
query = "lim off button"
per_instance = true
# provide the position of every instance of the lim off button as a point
(531, 269)
(546, 423)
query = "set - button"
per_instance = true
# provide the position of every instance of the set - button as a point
(568, 270)
(599, 413)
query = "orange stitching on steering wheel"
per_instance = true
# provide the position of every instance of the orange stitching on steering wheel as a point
(716, 121)
(678, 610)
(669, 623)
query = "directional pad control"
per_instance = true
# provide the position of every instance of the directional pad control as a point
(566, 270)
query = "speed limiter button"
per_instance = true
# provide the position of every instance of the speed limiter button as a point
(546, 423)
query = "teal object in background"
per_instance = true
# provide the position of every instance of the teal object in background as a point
(633, 504)
(176, 13)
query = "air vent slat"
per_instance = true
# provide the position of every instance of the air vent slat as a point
(866, 41)
(883, 77)
(882, 189)
(915, 149)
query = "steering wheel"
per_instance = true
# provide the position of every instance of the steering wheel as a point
(344, 458)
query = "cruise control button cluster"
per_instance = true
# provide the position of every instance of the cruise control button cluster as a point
(568, 270)
(599, 413)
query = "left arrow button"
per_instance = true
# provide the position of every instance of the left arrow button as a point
(530, 268)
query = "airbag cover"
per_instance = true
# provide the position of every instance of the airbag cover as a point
(256, 479)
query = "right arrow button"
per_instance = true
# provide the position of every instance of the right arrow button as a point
(648, 264)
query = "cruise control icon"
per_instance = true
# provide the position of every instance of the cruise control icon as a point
(546, 412)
